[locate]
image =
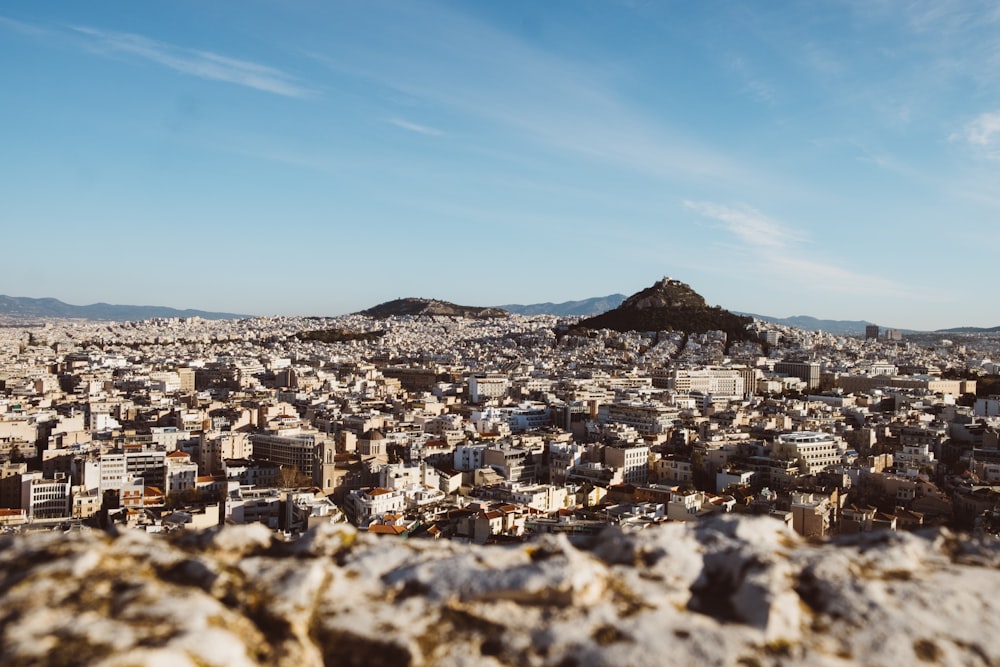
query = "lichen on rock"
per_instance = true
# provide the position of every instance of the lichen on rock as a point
(732, 591)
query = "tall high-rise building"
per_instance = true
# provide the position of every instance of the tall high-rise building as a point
(871, 332)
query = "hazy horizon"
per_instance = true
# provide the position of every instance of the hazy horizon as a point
(883, 325)
(837, 159)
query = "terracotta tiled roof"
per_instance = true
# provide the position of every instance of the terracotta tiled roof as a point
(383, 529)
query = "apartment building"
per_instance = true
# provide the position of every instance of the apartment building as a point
(291, 447)
(808, 372)
(633, 461)
(813, 450)
(364, 505)
(45, 498)
(485, 387)
(714, 380)
(645, 418)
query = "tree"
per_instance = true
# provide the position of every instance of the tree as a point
(290, 477)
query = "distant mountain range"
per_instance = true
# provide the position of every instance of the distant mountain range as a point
(583, 308)
(969, 330)
(430, 308)
(857, 327)
(840, 327)
(24, 307)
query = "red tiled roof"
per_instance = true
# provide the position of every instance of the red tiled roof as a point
(383, 529)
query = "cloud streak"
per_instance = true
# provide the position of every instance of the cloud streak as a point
(983, 134)
(484, 75)
(749, 225)
(202, 64)
(415, 127)
(22, 27)
(783, 252)
(758, 89)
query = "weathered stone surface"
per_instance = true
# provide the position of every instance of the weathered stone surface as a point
(728, 592)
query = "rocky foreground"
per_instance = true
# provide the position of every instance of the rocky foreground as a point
(729, 592)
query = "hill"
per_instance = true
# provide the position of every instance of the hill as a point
(673, 306)
(25, 307)
(583, 308)
(839, 327)
(430, 308)
(969, 330)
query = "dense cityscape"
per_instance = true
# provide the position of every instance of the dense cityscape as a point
(492, 428)
(304, 358)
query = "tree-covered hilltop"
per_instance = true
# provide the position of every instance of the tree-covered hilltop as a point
(338, 335)
(670, 305)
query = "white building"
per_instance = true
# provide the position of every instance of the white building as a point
(181, 473)
(696, 504)
(484, 387)
(115, 470)
(469, 457)
(364, 505)
(672, 470)
(632, 461)
(218, 446)
(724, 478)
(562, 457)
(491, 420)
(714, 380)
(915, 457)
(813, 450)
(645, 418)
(304, 510)
(247, 505)
(528, 417)
(398, 476)
(45, 498)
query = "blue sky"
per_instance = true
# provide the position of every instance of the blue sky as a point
(836, 159)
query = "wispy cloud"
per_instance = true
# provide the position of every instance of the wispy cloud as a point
(760, 91)
(22, 27)
(754, 86)
(509, 87)
(784, 252)
(415, 127)
(983, 134)
(821, 59)
(203, 64)
(749, 225)
(951, 16)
